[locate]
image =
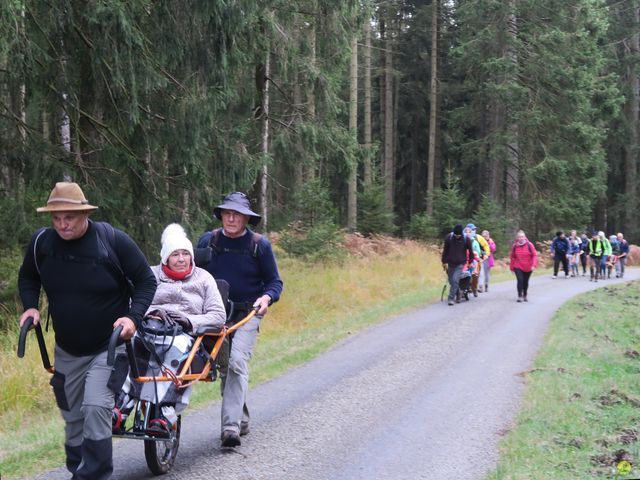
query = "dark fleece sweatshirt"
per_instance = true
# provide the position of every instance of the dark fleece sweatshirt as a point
(456, 251)
(85, 294)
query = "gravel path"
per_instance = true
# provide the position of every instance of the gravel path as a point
(425, 395)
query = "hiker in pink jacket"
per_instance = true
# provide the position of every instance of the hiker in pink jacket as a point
(524, 260)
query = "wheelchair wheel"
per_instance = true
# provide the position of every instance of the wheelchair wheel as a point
(160, 454)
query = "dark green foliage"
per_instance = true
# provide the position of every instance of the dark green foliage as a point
(373, 215)
(423, 227)
(321, 241)
(448, 205)
(490, 216)
(448, 211)
(313, 203)
(10, 262)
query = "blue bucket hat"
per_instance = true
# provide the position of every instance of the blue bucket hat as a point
(238, 202)
(471, 226)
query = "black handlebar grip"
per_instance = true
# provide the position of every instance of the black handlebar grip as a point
(113, 343)
(22, 339)
(135, 373)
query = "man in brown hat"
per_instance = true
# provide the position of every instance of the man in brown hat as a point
(96, 279)
(245, 260)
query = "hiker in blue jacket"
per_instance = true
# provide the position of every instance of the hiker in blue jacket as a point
(96, 279)
(245, 260)
(559, 249)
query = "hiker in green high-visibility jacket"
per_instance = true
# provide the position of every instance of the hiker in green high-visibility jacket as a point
(595, 250)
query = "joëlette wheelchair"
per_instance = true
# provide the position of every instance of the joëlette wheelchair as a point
(160, 450)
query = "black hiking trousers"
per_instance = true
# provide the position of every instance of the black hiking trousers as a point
(522, 281)
(556, 264)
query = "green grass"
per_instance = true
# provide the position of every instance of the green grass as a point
(581, 413)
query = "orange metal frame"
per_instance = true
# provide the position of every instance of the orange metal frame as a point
(183, 377)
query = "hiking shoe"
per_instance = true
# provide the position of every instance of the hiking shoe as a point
(229, 438)
(554, 277)
(244, 428)
(519, 299)
(450, 303)
(158, 427)
(524, 299)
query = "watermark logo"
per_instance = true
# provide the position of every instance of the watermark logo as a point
(624, 467)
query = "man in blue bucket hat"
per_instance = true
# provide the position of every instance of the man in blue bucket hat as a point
(245, 260)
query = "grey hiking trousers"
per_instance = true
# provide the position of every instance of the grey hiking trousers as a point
(86, 405)
(235, 384)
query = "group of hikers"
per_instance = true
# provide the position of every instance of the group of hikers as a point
(97, 279)
(603, 254)
(468, 257)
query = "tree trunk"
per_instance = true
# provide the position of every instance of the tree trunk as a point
(298, 170)
(389, 168)
(512, 153)
(352, 194)
(632, 112)
(368, 174)
(433, 100)
(266, 68)
(22, 129)
(311, 94)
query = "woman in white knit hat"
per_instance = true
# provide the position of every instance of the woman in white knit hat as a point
(183, 288)
(189, 296)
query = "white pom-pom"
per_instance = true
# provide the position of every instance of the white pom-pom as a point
(174, 230)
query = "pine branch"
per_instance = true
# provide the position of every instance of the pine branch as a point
(96, 122)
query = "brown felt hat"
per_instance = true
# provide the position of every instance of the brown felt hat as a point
(66, 196)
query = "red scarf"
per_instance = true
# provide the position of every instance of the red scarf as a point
(177, 275)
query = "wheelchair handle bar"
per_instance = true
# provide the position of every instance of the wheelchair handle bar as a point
(22, 340)
(113, 343)
(111, 351)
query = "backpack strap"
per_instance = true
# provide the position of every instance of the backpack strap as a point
(37, 253)
(106, 235)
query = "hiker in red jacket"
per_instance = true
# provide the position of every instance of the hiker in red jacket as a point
(524, 260)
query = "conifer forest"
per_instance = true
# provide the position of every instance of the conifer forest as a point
(378, 116)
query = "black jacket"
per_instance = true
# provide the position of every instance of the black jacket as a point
(456, 251)
(85, 296)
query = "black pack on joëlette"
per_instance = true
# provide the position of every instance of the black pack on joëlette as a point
(203, 255)
(106, 235)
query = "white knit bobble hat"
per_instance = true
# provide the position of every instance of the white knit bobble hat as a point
(174, 238)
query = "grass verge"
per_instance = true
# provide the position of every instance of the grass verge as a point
(581, 414)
